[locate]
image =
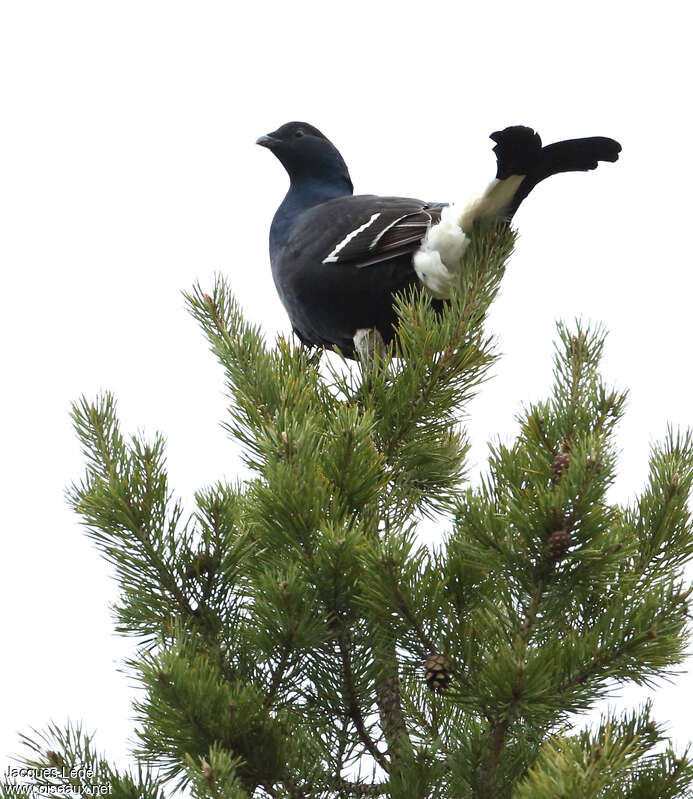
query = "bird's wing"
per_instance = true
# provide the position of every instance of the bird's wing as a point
(363, 230)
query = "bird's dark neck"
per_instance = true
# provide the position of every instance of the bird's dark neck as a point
(302, 195)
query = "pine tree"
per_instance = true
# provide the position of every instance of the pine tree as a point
(296, 640)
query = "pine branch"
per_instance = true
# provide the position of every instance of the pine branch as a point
(499, 726)
(123, 501)
(287, 611)
(352, 707)
(64, 761)
(279, 672)
(392, 720)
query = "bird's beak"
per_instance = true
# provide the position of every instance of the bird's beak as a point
(266, 141)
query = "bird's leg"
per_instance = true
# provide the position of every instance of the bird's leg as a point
(370, 347)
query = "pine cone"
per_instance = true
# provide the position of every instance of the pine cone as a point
(437, 672)
(202, 563)
(560, 464)
(558, 545)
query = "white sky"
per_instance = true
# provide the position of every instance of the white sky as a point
(128, 170)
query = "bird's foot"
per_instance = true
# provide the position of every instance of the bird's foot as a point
(370, 347)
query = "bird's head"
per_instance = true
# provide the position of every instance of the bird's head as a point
(306, 153)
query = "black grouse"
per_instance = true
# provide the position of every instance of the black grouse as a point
(337, 258)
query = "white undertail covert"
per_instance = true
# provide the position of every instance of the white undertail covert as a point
(437, 261)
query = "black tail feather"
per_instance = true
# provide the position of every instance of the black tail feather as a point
(519, 152)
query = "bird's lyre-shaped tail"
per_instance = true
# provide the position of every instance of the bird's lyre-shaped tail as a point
(520, 154)
(522, 163)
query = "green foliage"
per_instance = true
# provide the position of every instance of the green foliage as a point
(64, 762)
(188, 704)
(215, 777)
(289, 627)
(617, 761)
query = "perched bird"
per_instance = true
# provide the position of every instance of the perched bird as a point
(337, 258)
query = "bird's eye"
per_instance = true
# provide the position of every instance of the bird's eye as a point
(299, 133)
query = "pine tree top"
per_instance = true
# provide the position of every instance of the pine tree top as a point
(296, 640)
